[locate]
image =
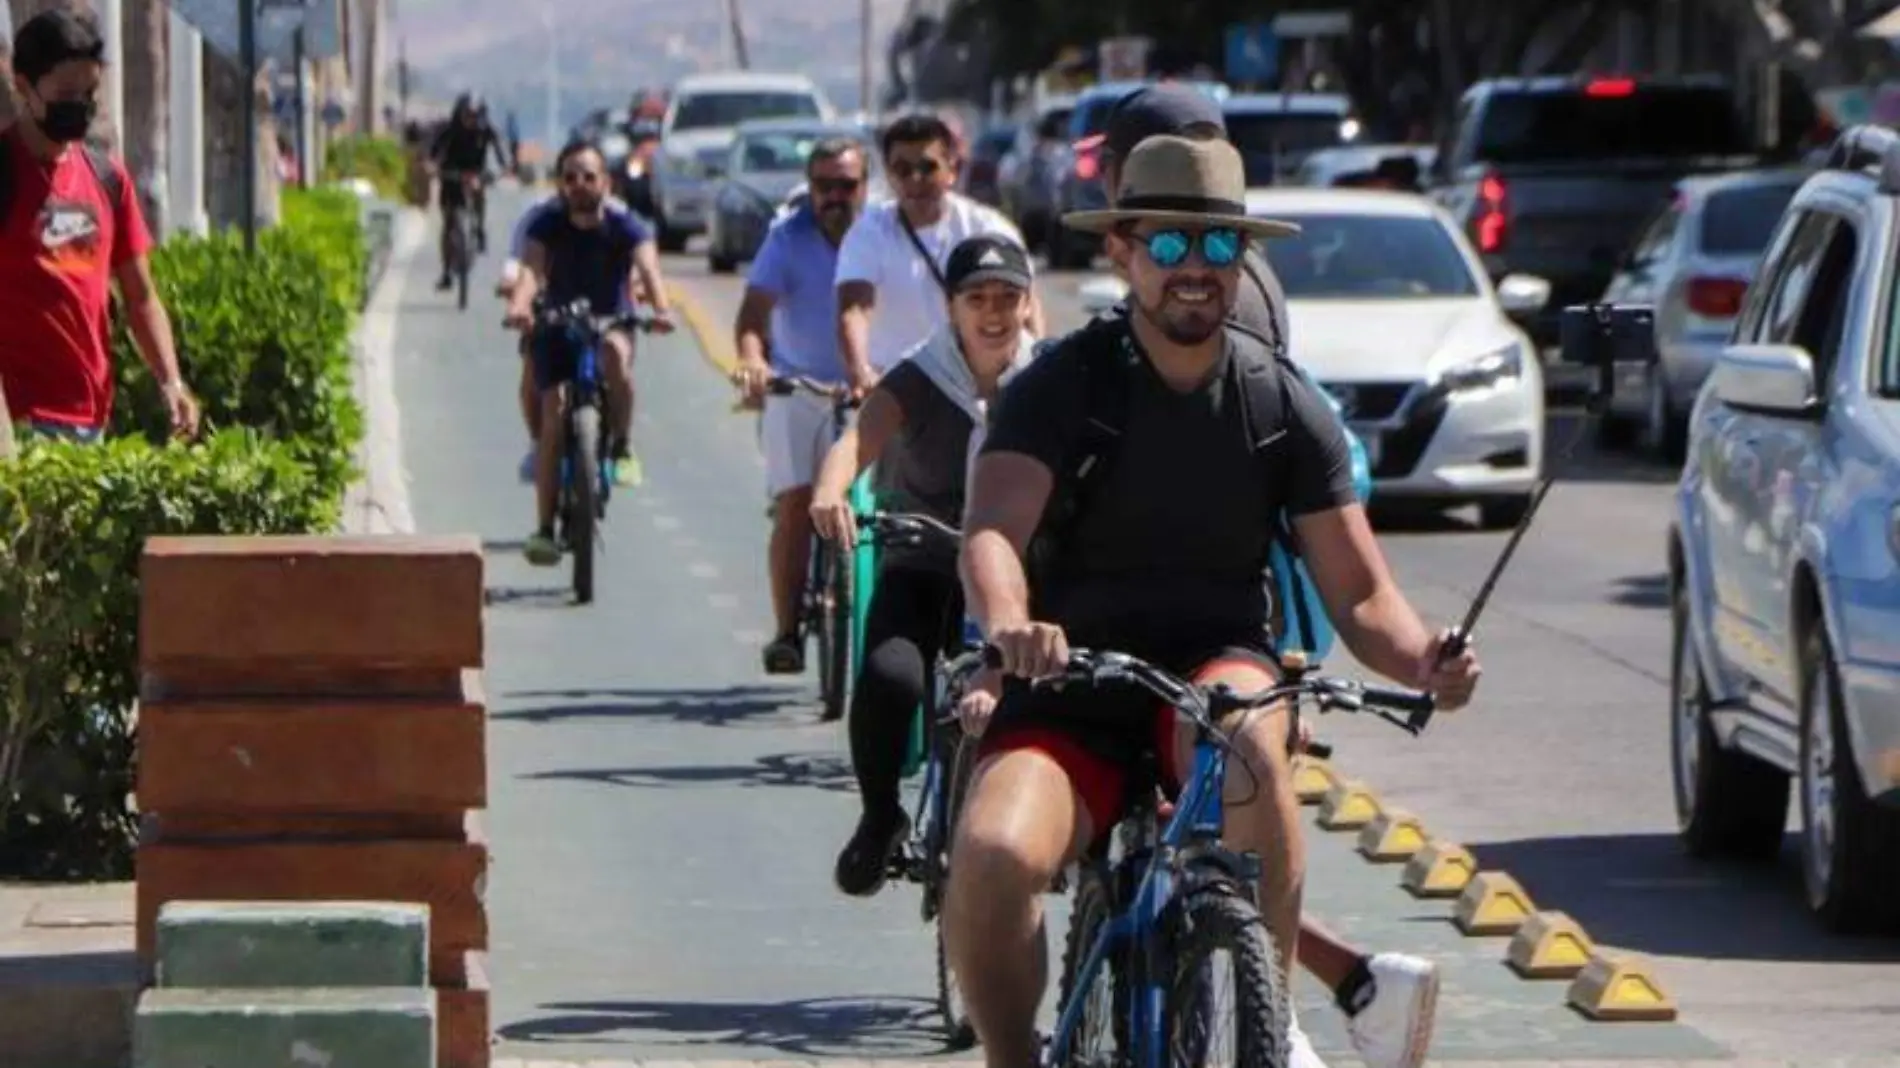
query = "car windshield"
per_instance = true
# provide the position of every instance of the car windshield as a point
(1273, 146)
(1576, 126)
(1738, 222)
(778, 151)
(711, 110)
(1338, 256)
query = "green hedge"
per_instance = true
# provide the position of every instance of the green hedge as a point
(380, 160)
(75, 520)
(264, 341)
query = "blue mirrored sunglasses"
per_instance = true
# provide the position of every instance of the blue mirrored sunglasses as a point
(1220, 246)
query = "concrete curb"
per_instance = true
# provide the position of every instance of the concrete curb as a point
(378, 503)
(68, 975)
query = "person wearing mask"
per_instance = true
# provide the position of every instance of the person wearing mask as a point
(922, 425)
(891, 286)
(787, 325)
(71, 226)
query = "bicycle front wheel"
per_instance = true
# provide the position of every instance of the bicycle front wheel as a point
(1225, 993)
(958, 755)
(1100, 1036)
(583, 472)
(835, 634)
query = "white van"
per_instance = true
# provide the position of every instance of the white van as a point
(697, 133)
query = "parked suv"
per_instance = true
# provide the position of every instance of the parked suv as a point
(696, 138)
(1784, 558)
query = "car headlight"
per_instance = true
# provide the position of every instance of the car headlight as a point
(1490, 369)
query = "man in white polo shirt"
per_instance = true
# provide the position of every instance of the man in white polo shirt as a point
(890, 267)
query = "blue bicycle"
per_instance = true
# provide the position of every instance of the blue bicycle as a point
(1145, 927)
(586, 480)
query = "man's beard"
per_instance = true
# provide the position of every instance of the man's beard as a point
(837, 217)
(583, 205)
(1186, 327)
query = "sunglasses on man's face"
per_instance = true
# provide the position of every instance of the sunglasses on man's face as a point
(580, 177)
(1220, 246)
(904, 170)
(835, 185)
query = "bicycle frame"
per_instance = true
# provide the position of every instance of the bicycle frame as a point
(1197, 817)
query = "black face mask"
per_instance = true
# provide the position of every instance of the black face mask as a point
(67, 121)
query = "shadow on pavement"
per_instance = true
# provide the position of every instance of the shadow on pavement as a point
(1642, 591)
(714, 708)
(822, 1027)
(823, 771)
(1641, 892)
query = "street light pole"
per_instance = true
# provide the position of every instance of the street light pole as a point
(864, 58)
(247, 43)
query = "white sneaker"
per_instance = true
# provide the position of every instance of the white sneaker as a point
(1394, 1030)
(1300, 1051)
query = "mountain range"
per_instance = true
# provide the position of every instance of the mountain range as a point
(606, 49)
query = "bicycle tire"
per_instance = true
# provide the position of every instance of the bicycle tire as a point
(959, 762)
(1213, 918)
(583, 469)
(835, 634)
(1093, 906)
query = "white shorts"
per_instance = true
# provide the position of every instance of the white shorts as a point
(795, 433)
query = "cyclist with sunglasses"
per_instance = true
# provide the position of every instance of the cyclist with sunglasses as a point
(606, 256)
(891, 293)
(1208, 416)
(788, 325)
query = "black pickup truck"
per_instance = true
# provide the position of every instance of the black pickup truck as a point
(1553, 177)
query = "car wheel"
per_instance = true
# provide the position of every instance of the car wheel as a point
(1728, 804)
(671, 240)
(1666, 431)
(1503, 513)
(1616, 431)
(720, 264)
(1850, 848)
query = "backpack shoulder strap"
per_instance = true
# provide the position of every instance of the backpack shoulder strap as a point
(1263, 405)
(111, 179)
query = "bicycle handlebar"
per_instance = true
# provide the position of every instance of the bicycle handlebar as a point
(581, 313)
(911, 527)
(1207, 703)
(786, 385)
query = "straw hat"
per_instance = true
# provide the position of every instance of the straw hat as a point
(1182, 180)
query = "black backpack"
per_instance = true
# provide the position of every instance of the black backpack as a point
(1108, 360)
(107, 173)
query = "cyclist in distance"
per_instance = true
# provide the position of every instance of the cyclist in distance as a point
(787, 325)
(1181, 587)
(462, 148)
(601, 254)
(1389, 998)
(920, 424)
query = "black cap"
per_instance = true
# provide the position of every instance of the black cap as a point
(987, 258)
(1163, 108)
(52, 37)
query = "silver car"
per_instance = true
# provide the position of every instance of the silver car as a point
(1694, 262)
(765, 166)
(1784, 557)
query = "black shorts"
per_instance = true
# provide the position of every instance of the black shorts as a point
(557, 353)
(1100, 736)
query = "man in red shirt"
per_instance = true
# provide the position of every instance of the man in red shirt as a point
(70, 226)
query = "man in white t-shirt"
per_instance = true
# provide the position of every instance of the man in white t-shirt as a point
(890, 293)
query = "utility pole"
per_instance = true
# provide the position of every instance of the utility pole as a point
(303, 142)
(864, 59)
(736, 28)
(247, 43)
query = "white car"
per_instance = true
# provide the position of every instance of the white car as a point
(1392, 312)
(696, 138)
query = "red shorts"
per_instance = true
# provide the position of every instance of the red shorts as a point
(1100, 773)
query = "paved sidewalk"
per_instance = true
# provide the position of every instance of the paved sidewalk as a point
(1890, 1062)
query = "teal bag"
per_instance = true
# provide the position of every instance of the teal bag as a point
(1305, 625)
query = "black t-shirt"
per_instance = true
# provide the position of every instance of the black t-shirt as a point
(1172, 547)
(463, 148)
(924, 466)
(594, 261)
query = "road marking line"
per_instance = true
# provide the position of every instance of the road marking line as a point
(749, 637)
(702, 570)
(723, 600)
(666, 522)
(713, 343)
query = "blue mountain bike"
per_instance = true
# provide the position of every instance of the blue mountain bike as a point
(586, 479)
(1163, 898)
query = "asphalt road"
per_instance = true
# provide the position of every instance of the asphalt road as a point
(665, 817)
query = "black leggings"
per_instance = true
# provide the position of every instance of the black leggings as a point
(911, 612)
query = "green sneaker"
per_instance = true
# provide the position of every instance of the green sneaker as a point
(542, 551)
(626, 471)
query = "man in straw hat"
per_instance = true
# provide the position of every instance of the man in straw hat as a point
(1388, 998)
(1217, 422)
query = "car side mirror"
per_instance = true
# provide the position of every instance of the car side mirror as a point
(1772, 380)
(1523, 294)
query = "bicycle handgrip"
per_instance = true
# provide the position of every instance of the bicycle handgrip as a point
(1397, 700)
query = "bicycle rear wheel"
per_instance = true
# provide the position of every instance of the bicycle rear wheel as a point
(1251, 1007)
(834, 628)
(583, 472)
